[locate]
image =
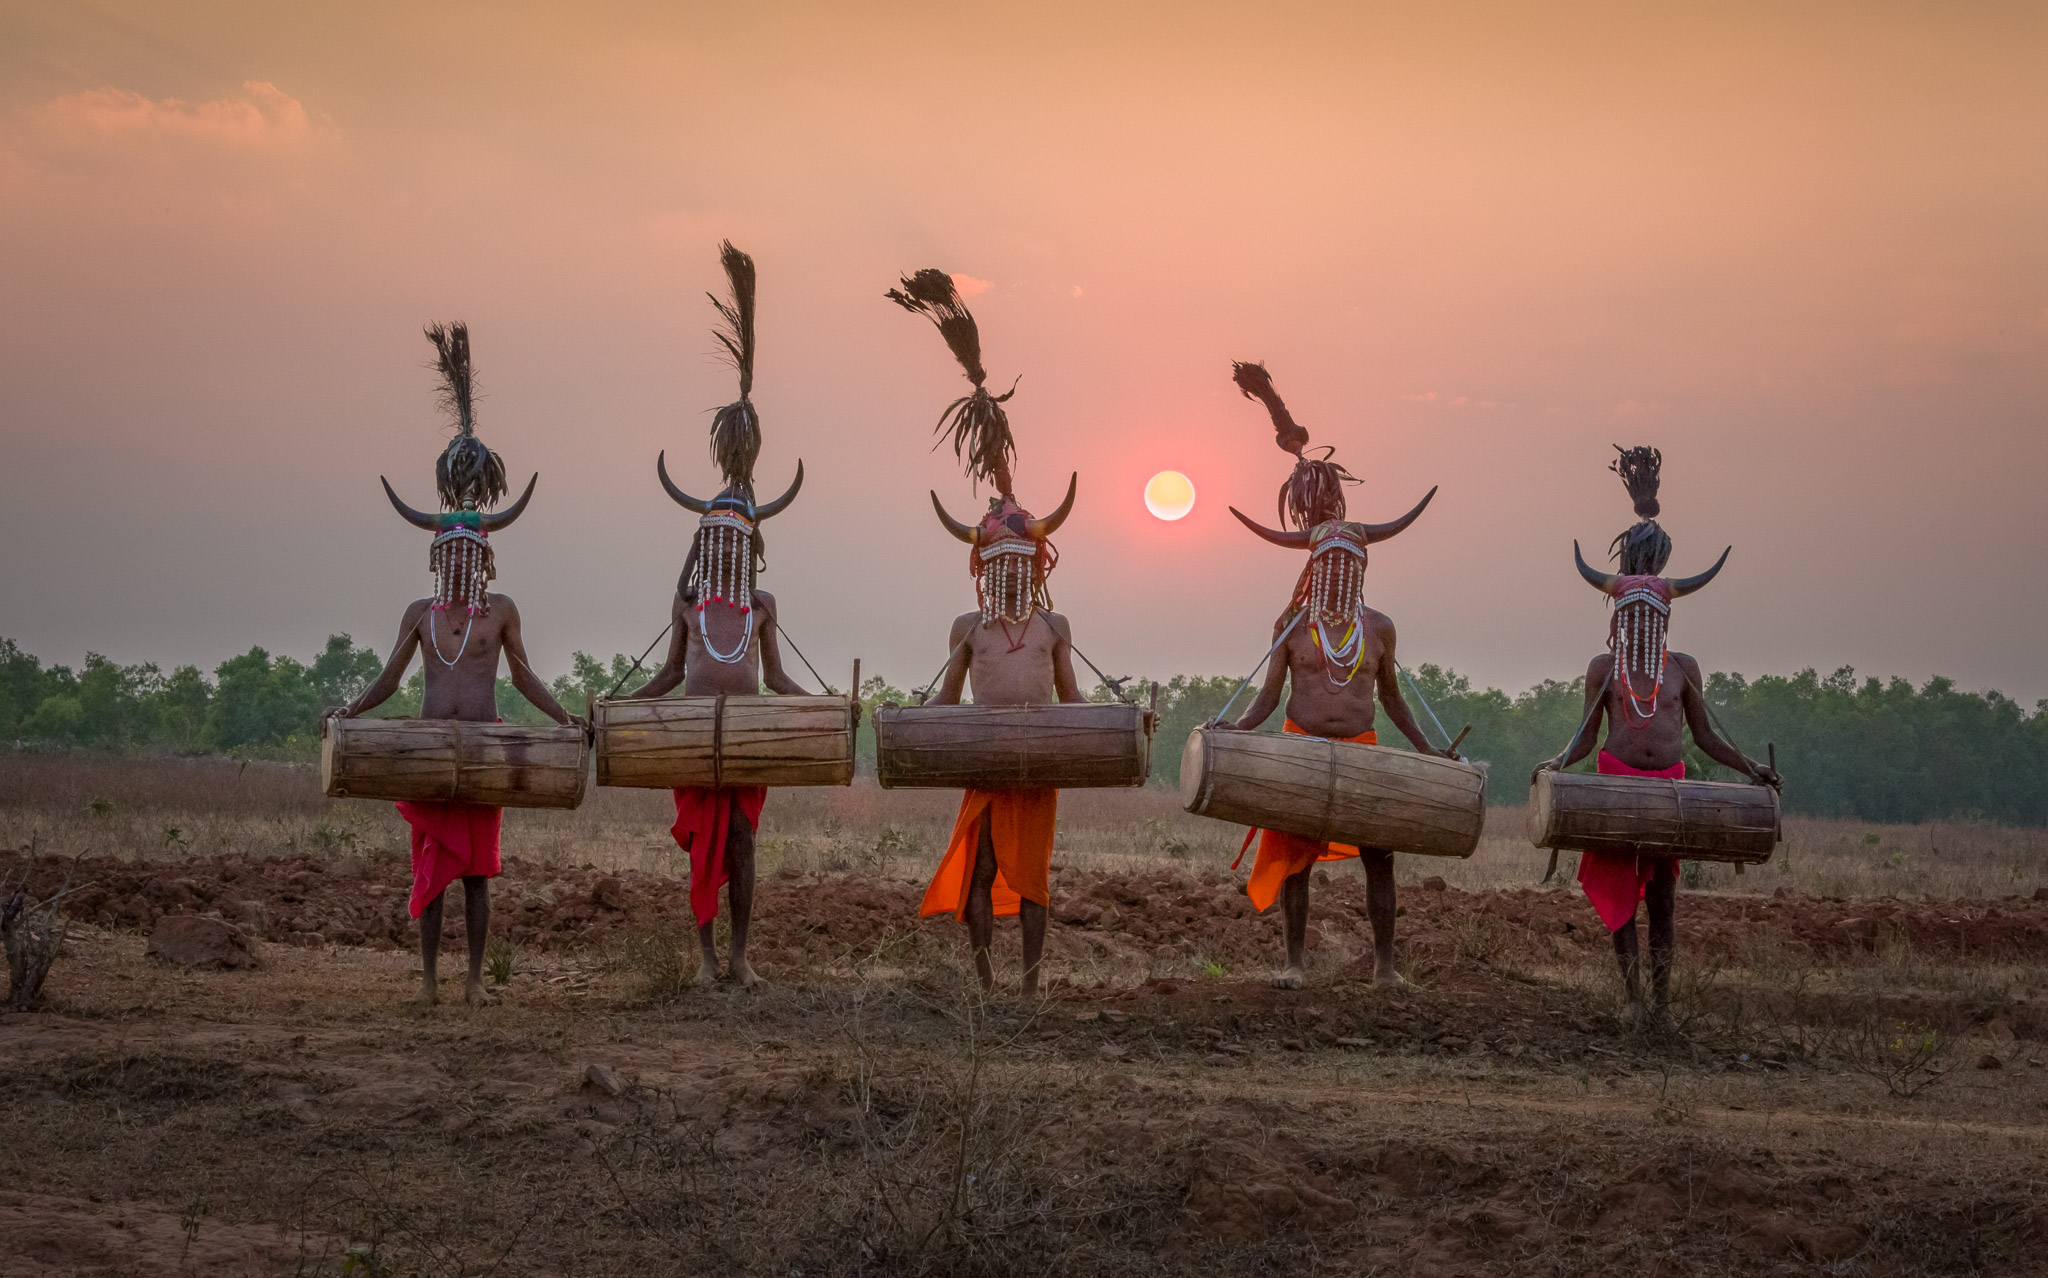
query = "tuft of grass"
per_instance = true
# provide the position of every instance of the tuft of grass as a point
(498, 960)
(662, 958)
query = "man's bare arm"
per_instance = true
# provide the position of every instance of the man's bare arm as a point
(1268, 700)
(960, 641)
(670, 675)
(1389, 686)
(1702, 726)
(771, 648)
(394, 670)
(1064, 685)
(1590, 714)
(523, 678)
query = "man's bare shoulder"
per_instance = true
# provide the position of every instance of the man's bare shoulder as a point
(1059, 623)
(1378, 622)
(1598, 668)
(501, 604)
(765, 602)
(1689, 665)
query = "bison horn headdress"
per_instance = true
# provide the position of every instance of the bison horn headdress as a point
(468, 477)
(727, 554)
(1010, 551)
(1312, 500)
(1640, 593)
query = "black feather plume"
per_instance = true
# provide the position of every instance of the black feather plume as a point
(1639, 470)
(1314, 492)
(1645, 547)
(736, 428)
(1256, 383)
(976, 423)
(467, 472)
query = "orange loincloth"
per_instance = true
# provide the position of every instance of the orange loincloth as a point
(1282, 855)
(1022, 827)
(450, 841)
(1614, 881)
(703, 823)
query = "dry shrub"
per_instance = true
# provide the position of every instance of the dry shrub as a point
(1906, 1057)
(662, 958)
(33, 933)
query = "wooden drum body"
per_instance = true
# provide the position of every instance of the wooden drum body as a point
(712, 741)
(1654, 816)
(505, 765)
(1335, 791)
(1064, 746)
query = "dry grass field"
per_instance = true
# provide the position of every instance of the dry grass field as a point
(1857, 1083)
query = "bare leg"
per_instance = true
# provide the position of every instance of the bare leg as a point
(739, 890)
(1032, 915)
(981, 910)
(430, 948)
(476, 917)
(1662, 898)
(1294, 929)
(1379, 907)
(707, 964)
(1630, 958)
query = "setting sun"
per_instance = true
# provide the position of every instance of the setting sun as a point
(1169, 495)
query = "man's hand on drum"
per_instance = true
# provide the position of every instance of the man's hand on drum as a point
(1551, 764)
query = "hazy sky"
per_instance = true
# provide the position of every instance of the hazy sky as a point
(1800, 248)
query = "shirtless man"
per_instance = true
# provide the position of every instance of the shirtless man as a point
(1338, 655)
(1649, 696)
(1015, 650)
(459, 840)
(724, 637)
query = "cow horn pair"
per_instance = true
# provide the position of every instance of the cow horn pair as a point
(1304, 539)
(698, 506)
(490, 523)
(1604, 582)
(1036, 529)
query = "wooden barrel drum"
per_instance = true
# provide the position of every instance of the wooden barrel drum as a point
(506, 765)
(1068, 746)
(711, 741)
(1654, 816)
(1335, 791)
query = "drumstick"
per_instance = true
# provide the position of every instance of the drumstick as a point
(1453, 749)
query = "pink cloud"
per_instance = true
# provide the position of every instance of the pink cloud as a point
(263, 116)
(1424, 397)
(969, 286)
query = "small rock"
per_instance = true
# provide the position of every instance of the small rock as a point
(1435, 883)
(252, 917)
(1219, 1059)
(2041, 894)
(2000, 1030)
(1235, 1049)
(1112, 1051)
(1293, 1045)
(1451, 1042)
(308, 940)
(1087, 1016)
(1213, 1032)
(608, 894)
(605, 1079)
(1115, 1017)
(1354, 1042)
(1988, 1061)
(187, 940)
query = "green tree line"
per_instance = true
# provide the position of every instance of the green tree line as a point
(1866, 748)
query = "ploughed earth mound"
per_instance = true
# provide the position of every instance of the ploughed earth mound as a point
(812, 920)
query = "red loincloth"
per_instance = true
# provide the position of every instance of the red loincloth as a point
(1022, 827)
(1615, 881)
(450, 841)
(1283, 855)
(703, 823)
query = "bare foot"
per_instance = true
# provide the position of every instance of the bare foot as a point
(707, 973)
(427, 997)
(1290, 978)
(744, 973)
(1031, 988)
(1386, 977)
(476, 995)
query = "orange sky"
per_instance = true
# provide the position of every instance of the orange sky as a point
(1802, 252)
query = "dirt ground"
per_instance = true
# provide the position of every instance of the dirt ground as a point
(1852, 1087)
